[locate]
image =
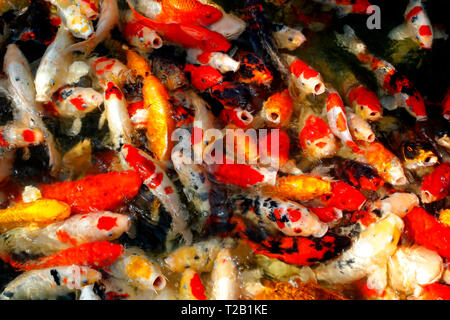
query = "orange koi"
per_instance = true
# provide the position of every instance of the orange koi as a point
(188, 11)
(277, 110)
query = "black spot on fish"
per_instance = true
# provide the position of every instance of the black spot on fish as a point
(56, 276)
(8, 294)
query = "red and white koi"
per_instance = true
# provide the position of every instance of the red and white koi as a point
(316, 139)
(399, 203)
(218, 60)
(436, 185)
(76, 230)
(224, 277)
(109, 17)
(417, 25)
(364, 102)
(191, 286)
(305, 78)
(21, 88)
(287, 38)
(154, 177)
(290, 218)
(337, 119)
(77, 23)
(49, 283)
(398, 89)
(109, 69)
(16, 136)
(53, 67)
(116, 111)
(143, 38)
(77, 101)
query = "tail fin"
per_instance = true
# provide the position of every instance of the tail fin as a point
(349, 41)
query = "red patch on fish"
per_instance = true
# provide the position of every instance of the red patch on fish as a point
(112, 89)
(197, 288)
(106, 223)
(78, 102)
(64, 237)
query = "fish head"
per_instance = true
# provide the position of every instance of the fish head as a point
(207, 15)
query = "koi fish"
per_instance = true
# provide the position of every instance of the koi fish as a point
(190, 12)
(138, 270)
(154, 177)
(95, 255)
(23, 93)
(316, 138)
(298, 251)
(427, 231)
(359, 128)
(357, 174)
(417, 25)
(52, 70)
(365, 103)
(170, 74)
(199, 256)
(399, 203)
(277, 155)
(78, 24)
(380, 239)
(97, 192)
(116, 111)
(301, 187)
(390, 81)
(327, 214)
(290, 218)
(287, 38)
(186, 35)
(387, 165)
(436, 291)
(49, 283)
(278, 109)
(38, 213)
(243, 175)
(108, 69)
(203, 77)
(236, 116)
(16, 136)
(191, 286)
(305, 78)
(337, 119)
(143, 38)
(88, 8)
(75, 230)
(109, 17)
(436, 185)
(253, 70)
(157, 102)
(224, 277)
(345, 7)
(344, 197)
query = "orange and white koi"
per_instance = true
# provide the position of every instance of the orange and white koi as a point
(359, 128)
(21, 88)
(345, 7)
(109, 17)
(138, 270)
(143, 38)
(316, 139)
(224, 277)
(218, 60)
(157, 102)
(364, 102)
(290, 218)
(399, 203)
(75, 230)
(368, 256)
(38, 213)
(49, 283)
(337, 119)
(191, 286)
(154, 177)
(77, 23)
(436, 185)
(236, 116)
(278, 109)
(398, 89)
(189, 12)
(287, 38)
(417, 25)
(16, 136)
(230, 25)
(388, 166)
(97, 255)
(305, 78)
(116, 111)
(53, 67)
(109, 69)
